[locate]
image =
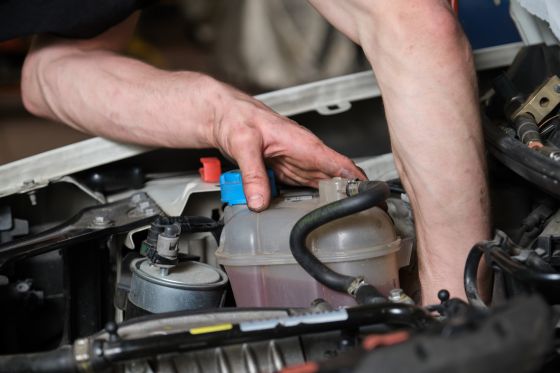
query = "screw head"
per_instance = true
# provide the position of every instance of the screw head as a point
(22, 287)
(395, 294)
(111, 327)
(101, 221)
(557, 88)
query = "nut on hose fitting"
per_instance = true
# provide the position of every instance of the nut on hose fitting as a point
(364, 293)
(355, 187)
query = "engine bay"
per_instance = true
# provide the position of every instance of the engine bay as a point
(111, 270)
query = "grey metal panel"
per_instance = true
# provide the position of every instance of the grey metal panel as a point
(40, 169)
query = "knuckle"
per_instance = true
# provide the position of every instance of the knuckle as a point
(253, 177)
(242, 135)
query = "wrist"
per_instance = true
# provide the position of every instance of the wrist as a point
(193, 111)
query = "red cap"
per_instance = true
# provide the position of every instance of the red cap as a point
(211, 169)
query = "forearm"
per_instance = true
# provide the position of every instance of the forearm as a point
(87, 85)
(424, 67)
(106, 94)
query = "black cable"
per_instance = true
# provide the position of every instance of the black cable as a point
(520, 271)
(532, 224)
(370, 194)
(57, 361)
(189, 224)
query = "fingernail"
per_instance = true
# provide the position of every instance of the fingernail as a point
(256, 202)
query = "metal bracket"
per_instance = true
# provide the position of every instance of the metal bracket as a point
(90, 223)
(542, 101)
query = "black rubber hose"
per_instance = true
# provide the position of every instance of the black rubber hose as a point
(499, 257)
(470, 276)
(370, 194)
(56, 361)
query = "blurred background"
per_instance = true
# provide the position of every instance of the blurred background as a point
(256, 45)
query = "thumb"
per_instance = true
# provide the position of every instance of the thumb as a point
(255, 179)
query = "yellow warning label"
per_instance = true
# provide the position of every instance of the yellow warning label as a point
(211, 329)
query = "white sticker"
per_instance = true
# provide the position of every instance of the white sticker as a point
(310, 318)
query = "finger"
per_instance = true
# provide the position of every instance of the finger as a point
(327, 164)
(296, 176)
(248, 154)
(335, 164)
(310, 153)
(309, 174)
(287, 176)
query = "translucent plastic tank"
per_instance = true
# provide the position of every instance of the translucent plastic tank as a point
(255, 250)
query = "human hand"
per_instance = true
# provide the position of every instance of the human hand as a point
(252, 134)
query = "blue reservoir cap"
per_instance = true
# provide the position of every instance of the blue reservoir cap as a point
(231, 186)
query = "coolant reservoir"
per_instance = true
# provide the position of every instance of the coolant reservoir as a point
(255, 251)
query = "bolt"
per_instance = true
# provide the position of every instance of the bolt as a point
(22, 287)
(395, 295)
(112, 329)
(143, 205)
(540, 251)
(32, 198)
(137, 197)
(101, 221)
(557, 88)
(164, 271)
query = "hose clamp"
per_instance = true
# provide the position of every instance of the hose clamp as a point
(352, 187)
(355, 285)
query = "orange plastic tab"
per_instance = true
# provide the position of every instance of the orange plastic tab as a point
(373, 341)
(310, 367)
(211, 169)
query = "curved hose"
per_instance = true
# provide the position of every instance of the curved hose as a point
(370, 194)
(57, 361)
(470, 277)
(496, 253)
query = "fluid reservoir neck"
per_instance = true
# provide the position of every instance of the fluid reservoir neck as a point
(331, 190)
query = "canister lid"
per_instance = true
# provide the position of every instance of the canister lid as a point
(185, 274)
